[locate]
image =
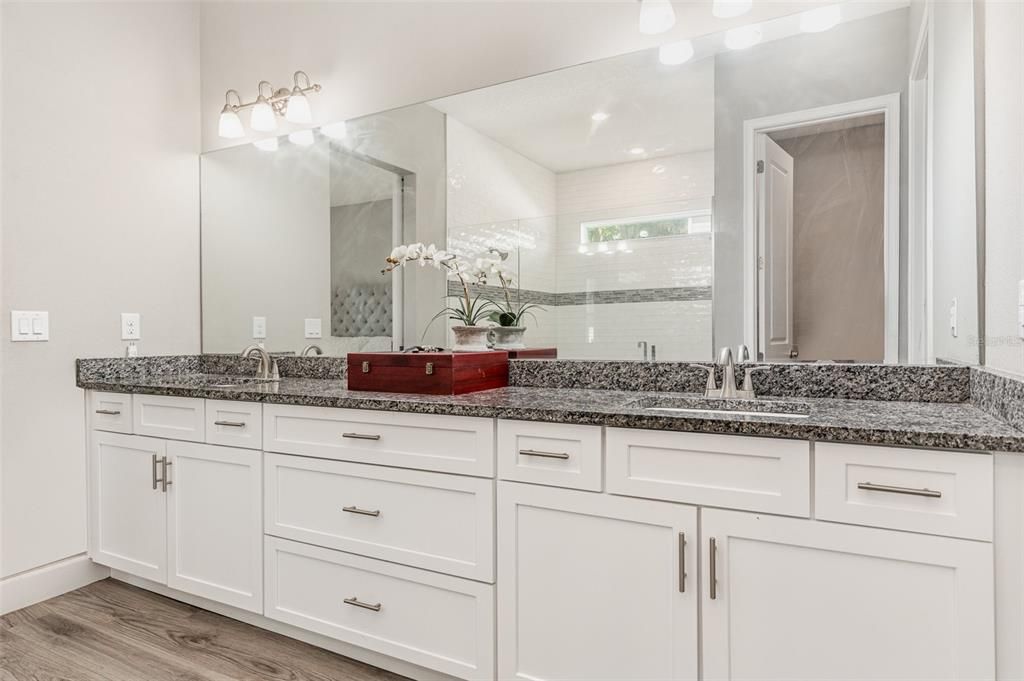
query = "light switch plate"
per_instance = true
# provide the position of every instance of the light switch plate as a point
(953, 318)
(259, 328)
(131, 326)
(30, 326)
(314, 328)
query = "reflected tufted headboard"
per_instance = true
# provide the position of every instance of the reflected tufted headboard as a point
(361, 311)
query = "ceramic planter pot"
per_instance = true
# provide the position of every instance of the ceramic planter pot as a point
(470, 339)
(508, 337)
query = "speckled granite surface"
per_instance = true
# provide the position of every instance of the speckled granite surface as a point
(915, 424)
(999, 394)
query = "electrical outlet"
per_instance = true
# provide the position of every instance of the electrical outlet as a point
(314, 328)
(259, 328)
(953, 318)
(131, 326)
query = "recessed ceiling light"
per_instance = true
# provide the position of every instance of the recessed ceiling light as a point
(599, 116)
(658, 169)
(726, 9)
(821, 19)
(636, 151)
(743, 37)
(674, 54)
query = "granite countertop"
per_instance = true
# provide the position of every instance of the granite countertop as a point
(913, 424)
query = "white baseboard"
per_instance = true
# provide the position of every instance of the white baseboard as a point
(45, 582)
(369, 657)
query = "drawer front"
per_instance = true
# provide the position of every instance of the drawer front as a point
(428, 520)
(449, 444)
(111, 412)
(747, 473)
(556, 454)
(436, 621)
(235, 424)
(934, 492)
(174, 418)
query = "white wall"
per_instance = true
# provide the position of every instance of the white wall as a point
(100, 131)
(1004, 180)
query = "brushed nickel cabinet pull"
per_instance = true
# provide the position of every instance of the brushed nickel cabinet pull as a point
(360, 511)
(912, 491)
(233, 424)
(359, 604)
(682, 562)
(108, 412)
(164, 482)
(156, 480)
(545, 455)
(360, 436)
(713, 569)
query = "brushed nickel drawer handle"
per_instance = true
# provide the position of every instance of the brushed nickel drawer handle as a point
(682, 562)
(361, 511)
(912, 491)
(108, 412)
(713, 568)
(164, 482)
(233, 424)
(545, 455)
(360, 436)
(359, 604)
(156, 480)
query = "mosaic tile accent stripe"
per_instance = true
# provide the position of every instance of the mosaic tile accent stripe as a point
(636, 295)
(999, 394)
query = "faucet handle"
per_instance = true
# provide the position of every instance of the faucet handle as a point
(711, 386)
(748, 383)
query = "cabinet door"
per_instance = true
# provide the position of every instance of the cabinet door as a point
(797, 599)
(127, 507)
(214, 523)
(595, 587)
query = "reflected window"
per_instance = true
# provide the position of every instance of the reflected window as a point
(646, 227)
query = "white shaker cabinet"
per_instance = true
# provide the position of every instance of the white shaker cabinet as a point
(595, 587)
(797, 599)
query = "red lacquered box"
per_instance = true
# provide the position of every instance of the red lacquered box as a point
(427, 373)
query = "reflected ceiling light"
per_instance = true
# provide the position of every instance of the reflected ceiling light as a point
(821, 19)
(656, 16)
(658, 169)
(303, 138)
(336, 131)
(269, 144)
(270, 103)
(674, 54)
(599, 116)
(727, 9)
(582, 249)
(636, 151)
(743, 37)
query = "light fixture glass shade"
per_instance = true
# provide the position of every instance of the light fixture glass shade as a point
(269, 144)
(230, 125)
(298, 108)
(674, 54)
(263, 118)
(656, 16)
(726, 9)
(303, 138)
(821, 19)
(336, 131)
(743, 37)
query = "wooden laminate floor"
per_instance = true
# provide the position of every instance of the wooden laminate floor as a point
(110, 631)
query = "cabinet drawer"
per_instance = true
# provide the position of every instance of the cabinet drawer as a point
(556, 454)
(428, 520)
(175, 418)
(749, 473)
(450, 444)
(235, 424)
(934, 492)
(436, 621)
(111, 412)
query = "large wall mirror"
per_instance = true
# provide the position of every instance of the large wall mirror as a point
(804, 187)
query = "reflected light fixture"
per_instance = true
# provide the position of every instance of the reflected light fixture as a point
(599, 116)
(677, 53)
(268, 144)
(656, 16)
(727, 9)
(270, 102)
(743, 37)
(636, 151)
(336, 131)
(820, 19)
(302, 138)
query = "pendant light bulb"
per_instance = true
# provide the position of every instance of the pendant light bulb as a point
(674, 54)
(263, 118)
(656, 16)
(727, 9)
(298, 108)
(230, 125)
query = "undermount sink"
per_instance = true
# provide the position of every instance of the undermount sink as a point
(688, 406)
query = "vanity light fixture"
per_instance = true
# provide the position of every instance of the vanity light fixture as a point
(820, 19)
(676, 53)
(302, 138)
(743, 37)
(656, 16)
(270, 103)
(727, 9)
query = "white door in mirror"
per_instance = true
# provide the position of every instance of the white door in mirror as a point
(30, 326)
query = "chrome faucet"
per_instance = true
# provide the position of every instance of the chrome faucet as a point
(642, 345)
(312, 348)
(267, 366)
(725, 361)
(728, 389)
